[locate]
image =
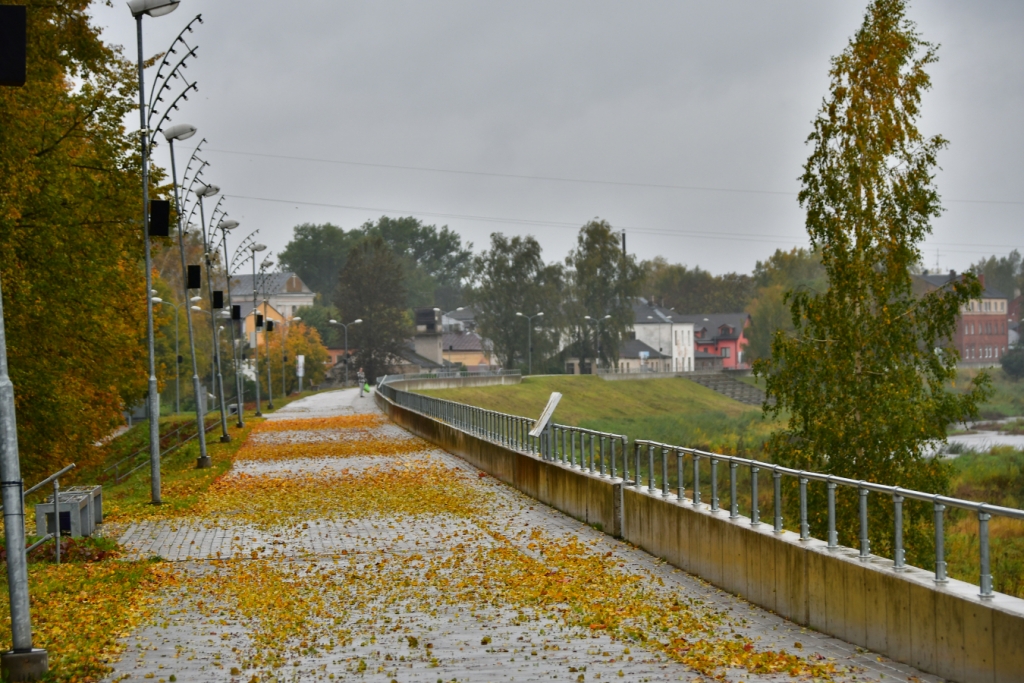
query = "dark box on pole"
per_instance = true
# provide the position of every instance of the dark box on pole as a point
(236, 312)
(194, 277)
(218, 299)
(159, 218)
(270, 326)
(13, 43)
(259, 320)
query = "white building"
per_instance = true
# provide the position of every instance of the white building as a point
(663, 331)
(286, 292)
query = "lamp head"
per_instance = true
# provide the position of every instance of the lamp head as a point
(182, 131)
(296, 319)
(154, 8)
(206, 191)
(157, 300)
(196, 298)
(258, 247)
(333, 322)
(357, 321)
(586, 317)
(540, 315)
(227, 224)
(519, 314)
(196, 308)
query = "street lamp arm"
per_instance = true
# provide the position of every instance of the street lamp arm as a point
(174, 106)
(164, 82)
(171, 51)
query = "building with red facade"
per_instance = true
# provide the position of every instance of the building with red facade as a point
(983, 331)
(721, 334)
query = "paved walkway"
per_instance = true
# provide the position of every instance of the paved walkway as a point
(337, 594)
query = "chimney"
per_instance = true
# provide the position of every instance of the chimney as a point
(981, 279)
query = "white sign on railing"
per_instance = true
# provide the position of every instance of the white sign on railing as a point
(545, 417)
(300, 366)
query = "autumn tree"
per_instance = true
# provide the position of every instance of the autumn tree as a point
(602, 281)
(774, 278)
(287, 342)
(71, 248)
(864, 376)
(511, 277)
(371, 287)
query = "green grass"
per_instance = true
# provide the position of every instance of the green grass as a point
(675, 410)
(1007, 399)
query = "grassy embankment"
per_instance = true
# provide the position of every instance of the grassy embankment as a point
(681, 412)
(81, 608)
(675, 411)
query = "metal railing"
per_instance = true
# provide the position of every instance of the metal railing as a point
(597, 452)
(120, 476)
(451, 374)
(695, 457)
(584, 449)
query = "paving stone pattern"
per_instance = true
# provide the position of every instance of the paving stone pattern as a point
(192, 647)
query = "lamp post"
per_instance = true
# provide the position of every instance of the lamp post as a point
(253, 248)
(177, 354)
(153, 8)
(268, 327)
(529, 338)
(357, 321)
(204, 191)
(225, 226)
(597, 344)
(173, 134)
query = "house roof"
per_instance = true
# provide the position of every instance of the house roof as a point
(464, 341)
(633, 347)
(272, 284)
(705, 355)
(940, 279)
(647, 313)
(713, 323)
(246, 308)
(409, 355)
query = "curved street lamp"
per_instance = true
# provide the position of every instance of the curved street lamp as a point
(205, 192)
(253, 249)
(529, 338)
(225, 226)
(177, 354)
(177, 133)
(357, 321)
(598, 322)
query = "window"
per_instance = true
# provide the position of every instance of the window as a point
(726, 352)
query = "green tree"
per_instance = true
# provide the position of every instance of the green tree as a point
(318, 317)
(865, 375)
(317, 254)
(511, 277)
(781, 273)
(436, 263)
(71, 246)
(691, 291)
(1013, 362)
(1004, 273)
(372, 287)
(603, 281)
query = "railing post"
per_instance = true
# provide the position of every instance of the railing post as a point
(777, 498)
(986, 571)
(611, 445)
(650, 468)
(636, 453)
(696, 478)
(755, 512)
(56, 520)
(940, 543)
(804, 527)
(734, 506)
(898, 554)
(865, 542)
(625, 460)
(681, 483)
(664, 473)
(591, 469)
(714, 484)
(832, 539)
(604, 461)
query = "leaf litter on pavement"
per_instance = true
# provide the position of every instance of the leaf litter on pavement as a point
(318, 605)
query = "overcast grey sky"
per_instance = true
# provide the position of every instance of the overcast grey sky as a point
(711, 102)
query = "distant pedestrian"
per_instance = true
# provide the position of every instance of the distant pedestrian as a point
(361, 379)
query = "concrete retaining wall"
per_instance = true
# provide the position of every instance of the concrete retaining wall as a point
(457, 382)
(947, 630)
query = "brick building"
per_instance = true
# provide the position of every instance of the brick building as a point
(983, 331)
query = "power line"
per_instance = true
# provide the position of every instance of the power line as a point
(730, 236)
(583, 181)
